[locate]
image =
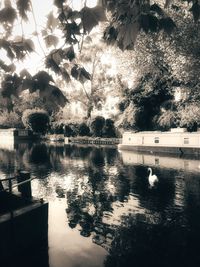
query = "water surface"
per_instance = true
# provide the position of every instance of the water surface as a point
(102, 211)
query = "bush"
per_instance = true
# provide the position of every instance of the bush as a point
(97, 125)
(83, 130)
(57, 129)
(36, 119)
(109, 128)
(71, 129)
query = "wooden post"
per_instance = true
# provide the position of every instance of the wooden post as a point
(25, 188)
(10, 185)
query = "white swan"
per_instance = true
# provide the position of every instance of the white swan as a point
(153, 179)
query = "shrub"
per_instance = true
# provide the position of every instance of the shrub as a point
(97, 125)
(109, 128)
(36, 119)
(57, 129)
(68, 131)
(71, 129)
(83, 129)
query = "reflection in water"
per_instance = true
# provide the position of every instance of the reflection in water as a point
(102, 211)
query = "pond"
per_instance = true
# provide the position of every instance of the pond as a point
(102, 211)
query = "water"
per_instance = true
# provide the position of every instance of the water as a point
(102, 211)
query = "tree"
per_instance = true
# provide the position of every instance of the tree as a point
(128, 18)
(128, 21)
(36, 120)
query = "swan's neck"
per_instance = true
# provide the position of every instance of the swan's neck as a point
(150, 174)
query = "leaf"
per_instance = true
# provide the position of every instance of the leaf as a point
(59, 3)
(167, 24)
(25, 73)
(195, 9)
(51, 64)
(91, 17)
(156, 8)
(110, 35)
(9, 85)
(68, 53)
(58, 96)
(53, 95)
(52, 22)
(4, 66)
(8, 15)
(80, 74)
(23, 6)
(65, 74)
(29, 45)
(71, 29)
(56, 55)
(127, 35)
(67, 12)
(51, 40)
(149, 23)
(43, 77)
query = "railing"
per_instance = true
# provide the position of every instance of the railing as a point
(89, 140)
(23, 184)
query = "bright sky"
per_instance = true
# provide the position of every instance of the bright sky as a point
(33, 62)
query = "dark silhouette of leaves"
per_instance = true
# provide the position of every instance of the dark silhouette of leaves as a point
(59, 3)
(43, 78)
(127, 35)
(195, 9)
(68, 53)
(167, 24)
(8, 15)
(149, 23)
(51, 64)
(9, 85)
(91, 17)
(70, 30)
(25, 73)
(156, 8)
(110, 35)
(7, 68)
(80, 74)
(23, 6)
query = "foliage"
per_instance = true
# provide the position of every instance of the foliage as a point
(130, 24)
(109, 128)
(189, 116)
(71, 129)
(57, 129)
(97, 125)
(37, 120)
(141, 104)
(13, 85)
(127, 20)
(168, 119)
(83, 130)
(10, 120)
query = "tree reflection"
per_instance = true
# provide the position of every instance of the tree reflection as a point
(113, 205)
(140, 243)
